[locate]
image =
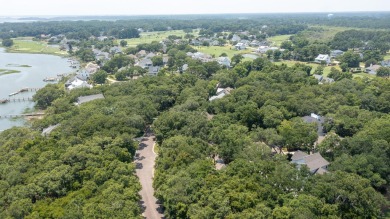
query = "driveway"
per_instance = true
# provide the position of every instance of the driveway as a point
(145, 159)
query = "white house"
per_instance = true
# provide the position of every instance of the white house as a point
(221, 92)
(76, 83)
(322, 58)
(240, 46)
(264, 49)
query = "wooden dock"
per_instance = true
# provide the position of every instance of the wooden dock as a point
(21, 115)
(22, 99)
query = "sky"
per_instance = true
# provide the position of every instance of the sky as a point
(170, 7)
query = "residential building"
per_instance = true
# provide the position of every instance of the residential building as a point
(153, 70)
(321, 58)
(235, 38)
(221, 92)
(315, 162)
(240, 46)
(336, 53)
(323, 80)
(144, 63)
(372, 69)
(319, 120)
(224, 61)
(115, 50)
(264, 49)
(75, 82)
(386, 63)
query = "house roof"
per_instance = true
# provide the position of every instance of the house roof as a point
(373, 67)
(298, 155)
(85, 99)
(318, 77)
(322, 57)
(315, 161)
(385, 62)
(144, 63)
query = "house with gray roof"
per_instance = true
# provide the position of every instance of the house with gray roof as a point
(153, 70)
(315, 162)
(386, 63)
(336, 53)
(319, 120)
(145, 63)
(115, 50)
(224, 61)
(372, 69)
(323, 80)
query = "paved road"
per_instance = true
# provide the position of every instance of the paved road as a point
(145, 158)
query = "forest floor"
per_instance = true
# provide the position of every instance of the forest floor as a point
(145, 160)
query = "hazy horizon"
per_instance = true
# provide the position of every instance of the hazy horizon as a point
(174, 7)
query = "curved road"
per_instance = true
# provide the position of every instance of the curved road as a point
(144, 161)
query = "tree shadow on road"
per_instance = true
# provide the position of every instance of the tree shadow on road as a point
(141, 146)
(138, 165)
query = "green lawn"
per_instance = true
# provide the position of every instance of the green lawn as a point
(26, 45)
(277, 40)
(362, 75)
(324, 33)
(313, 65)
(387, 56)
(148, 37)
(218, 50)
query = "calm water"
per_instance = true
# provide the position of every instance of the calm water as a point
(42, 66)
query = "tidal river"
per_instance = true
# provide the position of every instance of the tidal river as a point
(33, 69)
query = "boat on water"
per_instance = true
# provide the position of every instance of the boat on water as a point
(49, 79)
(23, 90)
(4, 101)
(12, 94)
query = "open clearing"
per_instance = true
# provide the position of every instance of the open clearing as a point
(218, 50)
(148, 37)
(277, 40)
(26, 45)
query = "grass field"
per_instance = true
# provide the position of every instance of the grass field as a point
(277, 40)
(326, 69)
(313, 65)
(363, 75)
(324, 33)
(26, 45)
(387, 56)
(148, 37)
(218, 50)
